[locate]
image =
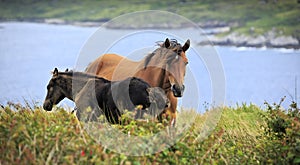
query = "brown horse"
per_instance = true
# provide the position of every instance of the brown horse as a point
(164, 67)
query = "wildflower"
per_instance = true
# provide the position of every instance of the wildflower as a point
(82, 153)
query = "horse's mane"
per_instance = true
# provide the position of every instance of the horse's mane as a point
(82, 75)
(173, 44)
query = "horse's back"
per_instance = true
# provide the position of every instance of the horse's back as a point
(107, 59)
(106, 65)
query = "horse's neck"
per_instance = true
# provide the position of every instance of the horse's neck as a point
(73, 85)
(153, 75)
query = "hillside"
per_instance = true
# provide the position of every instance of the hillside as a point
(258, 16)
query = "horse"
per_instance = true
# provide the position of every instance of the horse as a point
(165, 68)
(76, 86)
(113, 97)
(65, 85)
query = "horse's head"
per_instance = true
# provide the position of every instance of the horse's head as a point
(55, 92)
(171, 60)
(176, 62)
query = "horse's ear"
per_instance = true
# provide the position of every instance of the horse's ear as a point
(186, 45)
(167, 43)
(55, 72)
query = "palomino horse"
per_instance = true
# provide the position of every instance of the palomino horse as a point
(80, 87)
(164, 67)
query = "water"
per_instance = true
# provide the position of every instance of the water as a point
(29, 52)
(258, 75)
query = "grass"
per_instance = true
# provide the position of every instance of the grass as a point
(243, 135)
(256, 15)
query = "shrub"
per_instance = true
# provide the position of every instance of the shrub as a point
(283, 133)
(245, 134)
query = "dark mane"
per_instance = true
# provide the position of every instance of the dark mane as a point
(174, 45)
(83, 75)
(148, 58)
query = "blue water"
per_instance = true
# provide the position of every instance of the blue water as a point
(258, 75)
(29, 52)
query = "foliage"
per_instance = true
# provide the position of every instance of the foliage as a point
(245, 134)
(282, 133)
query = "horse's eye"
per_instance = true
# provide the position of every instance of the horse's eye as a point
(49, 87)
(186, 63)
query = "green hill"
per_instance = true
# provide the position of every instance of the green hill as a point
(257, 16)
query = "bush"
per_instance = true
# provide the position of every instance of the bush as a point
(283, 133)
(245, 134)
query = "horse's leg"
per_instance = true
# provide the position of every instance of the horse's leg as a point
(94, 114)
(171, 110)
(77, 112)
(86, 102)
(140, 110)
(138, 114)
(81, 106)
(112, 115)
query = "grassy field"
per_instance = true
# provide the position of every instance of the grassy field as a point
(258, 15)
(244, 135)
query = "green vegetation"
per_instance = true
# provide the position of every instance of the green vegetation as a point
(244, 135)
(257, 16)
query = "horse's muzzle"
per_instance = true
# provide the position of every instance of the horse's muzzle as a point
(177, 90)
(47, 106)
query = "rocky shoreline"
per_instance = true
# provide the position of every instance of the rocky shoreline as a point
(57, 21)
(271, 39)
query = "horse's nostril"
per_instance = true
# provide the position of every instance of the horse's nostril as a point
(178, 90)
(167, 105)
(47, 106)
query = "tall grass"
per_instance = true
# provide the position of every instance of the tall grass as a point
(243, 135)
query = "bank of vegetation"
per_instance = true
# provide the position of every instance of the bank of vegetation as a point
(245, 134)
(258, 16)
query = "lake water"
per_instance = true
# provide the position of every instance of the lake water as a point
(29, 52)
